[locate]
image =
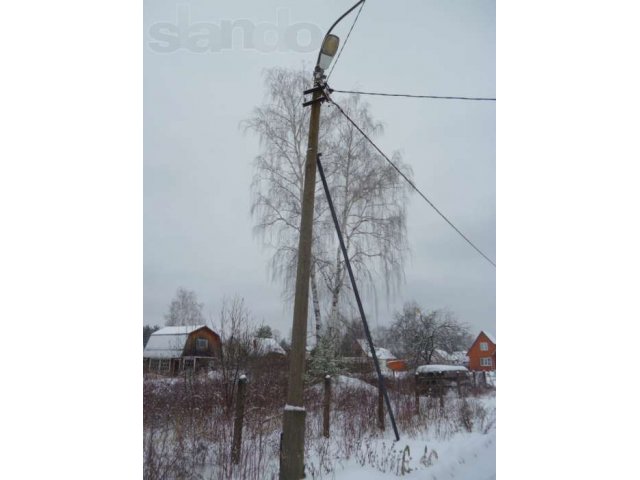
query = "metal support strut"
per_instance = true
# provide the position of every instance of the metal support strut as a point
(381, 384)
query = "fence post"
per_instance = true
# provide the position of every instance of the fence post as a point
(237, 424)
(417, 394)
(380, 409)
(327, 406)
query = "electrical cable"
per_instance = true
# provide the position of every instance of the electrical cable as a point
(345, 255)
(409, 181)
(345, 41)
(331, 90)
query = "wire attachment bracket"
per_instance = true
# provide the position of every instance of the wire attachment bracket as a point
(316, 100)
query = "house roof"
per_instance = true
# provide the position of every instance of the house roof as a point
(440, 368)
(381, 353)
(455, 357)
(489, 336)
(178, 330)
(265, 346)
(459, 357)
(168, 342)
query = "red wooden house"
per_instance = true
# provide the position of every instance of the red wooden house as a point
(482, 354)
(171, 350)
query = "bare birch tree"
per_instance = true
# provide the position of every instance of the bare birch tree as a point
(282, 126)
(370, 201)
(369, 196)
(184, 309)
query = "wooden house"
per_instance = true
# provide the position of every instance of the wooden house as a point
(268, 359)
(267, 347)
(482, 354)
(171, 350)
(388, 362)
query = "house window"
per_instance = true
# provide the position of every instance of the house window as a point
(484, 346)
(485, 361)
(202, 344)
(187, 363)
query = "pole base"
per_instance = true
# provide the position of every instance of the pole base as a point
(292, 447)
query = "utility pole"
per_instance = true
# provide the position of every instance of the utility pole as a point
(293, 421)
(292, 447)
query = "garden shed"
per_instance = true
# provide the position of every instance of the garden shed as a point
(437, 379)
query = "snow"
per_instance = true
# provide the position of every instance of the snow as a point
(460, 456)
(381, 353)
(434, 453)
(350, 382)
(178, 330)
(489, 336)
(168, 342)
(264, 346)
(440, 368)
(470, 456)
(294, 408)
(491, 378)
(342, 382)
(165, 345)
(457, 358)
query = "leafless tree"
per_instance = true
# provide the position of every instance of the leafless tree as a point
(368, 195)
(416, 334)
(184, 309)
(236, 329)
(370, 201)
(282, 127)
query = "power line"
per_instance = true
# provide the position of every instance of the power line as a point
(354, 286)
(411, 183)
(345, 40)
(331, 90)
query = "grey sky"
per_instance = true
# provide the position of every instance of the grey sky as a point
(198, 163)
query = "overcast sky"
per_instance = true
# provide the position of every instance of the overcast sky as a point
(198, 163)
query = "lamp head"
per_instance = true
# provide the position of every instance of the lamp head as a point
(327, 52)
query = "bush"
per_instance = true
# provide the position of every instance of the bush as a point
(188, 429)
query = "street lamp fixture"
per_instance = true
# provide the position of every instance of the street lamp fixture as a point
(328, 51)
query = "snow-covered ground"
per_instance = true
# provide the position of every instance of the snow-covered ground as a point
(432, 455)
(464, 456)
(457, 441)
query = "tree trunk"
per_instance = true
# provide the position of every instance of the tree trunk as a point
(335, 291)
(326, 406)
(316, 301)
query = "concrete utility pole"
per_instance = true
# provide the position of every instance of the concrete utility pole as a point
(292, 447)
(293, 423)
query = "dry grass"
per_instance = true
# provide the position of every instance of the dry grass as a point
(188, 429)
